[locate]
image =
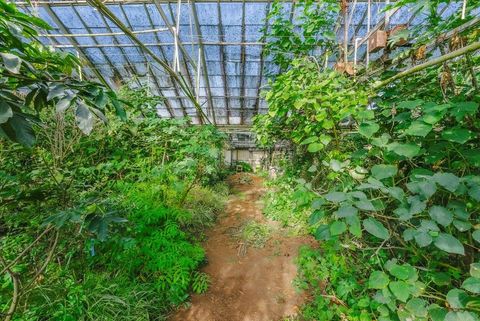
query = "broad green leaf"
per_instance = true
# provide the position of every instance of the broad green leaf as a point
(381, 141)
(5, 112)
(346, 211)
(418, 128)
(462, 226)
(461, 109)
(337, 228)
(449, 243)
(316, 217)
(404, 272)
(433, 117)
(322, 233)
(461, 316)
(447, 180)
(325, 139)
(309, 140)
(56, 91)
(476, 235)
(384, 171)
(425, 188)
(411, 104)
(457, 135)
(475, 270)
(423, 239)
(364, 205)
(441, 215)
(441, 278)
(336, 197)
(11, 62)
(472, 284)
(437, 313)
(354, 225)
(378, 280)
(84, 118)
(408, 150)
(400, 289)
(315, 147)
(375, 228)
(417, 307)
(367, 129)
(457, 298)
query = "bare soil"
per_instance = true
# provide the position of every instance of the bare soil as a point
(248, 284)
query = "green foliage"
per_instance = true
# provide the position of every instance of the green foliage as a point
(34, 78)
(391, 179)
(253, 233)
(286, 41)
(127, 207)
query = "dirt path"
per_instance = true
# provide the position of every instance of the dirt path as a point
(248, 284)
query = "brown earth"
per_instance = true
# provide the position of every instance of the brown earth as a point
(247, 284)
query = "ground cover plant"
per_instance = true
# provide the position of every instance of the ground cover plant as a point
(391, 175)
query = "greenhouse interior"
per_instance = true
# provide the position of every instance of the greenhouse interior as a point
(240, 160)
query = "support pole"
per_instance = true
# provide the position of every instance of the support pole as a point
(454, 54)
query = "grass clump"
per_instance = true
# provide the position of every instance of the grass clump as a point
(254, 234)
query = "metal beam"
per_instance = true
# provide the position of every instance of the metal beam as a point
(262, 59)
(75, 44)
(84, 2)
(204, 62)
(167, 103)
(162, 52)
(107, 58)
(222, 59)
(127, 45)
(183, 58)
(172, 31)
(242, 71)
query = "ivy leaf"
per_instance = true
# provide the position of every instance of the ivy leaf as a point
(354, 225)
(315, 147)
(11, 62)
(378, 280)
(472, 284)
(404, 272)
(408, 150)
(441, 215)
(411, 104)
(337, 228)
(457, 135)
(447, 180)
(418, 128)
(384, 171)
(376, 228)
(316, 217)
(367, 129)
(437, 313)
(449, 244)
(400, 289)
(365, 205)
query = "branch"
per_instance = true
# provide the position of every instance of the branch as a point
(16, 290)
(472, 47)
(8, 266)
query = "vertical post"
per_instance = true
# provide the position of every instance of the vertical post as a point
(464, 9)
(199, 70)
(80, 75)
(355, 52)
(369, 18)
(345, 33)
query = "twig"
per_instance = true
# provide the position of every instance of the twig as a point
(16, 290)
(8, 266)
